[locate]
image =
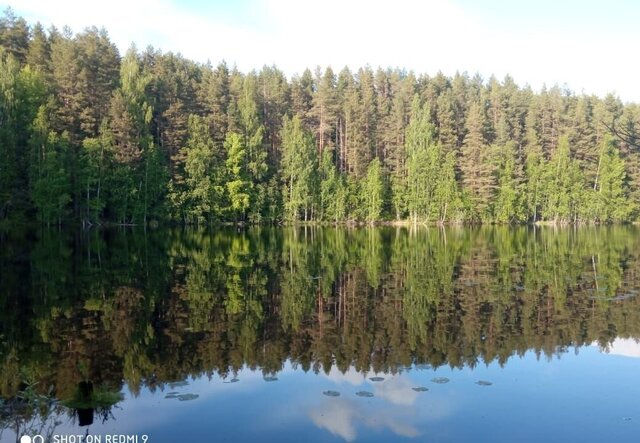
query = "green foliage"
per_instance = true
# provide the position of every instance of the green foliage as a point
(238, 185)
(431, 184)
(563, 186)
(51, 186)
(95, 165)
(333, 191)
(534, 170)
(508, 207)
(373, 191)
(609, 195)
(201, 198)
(299, 164)
(155, 136)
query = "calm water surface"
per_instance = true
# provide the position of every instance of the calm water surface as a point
(321, 335)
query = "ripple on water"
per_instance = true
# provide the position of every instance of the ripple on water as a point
(440, 380)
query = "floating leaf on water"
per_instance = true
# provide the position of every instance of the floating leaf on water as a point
(420, 389)
(233, 380)
(171, 395)
(178, 384)
(270, 378)
(187, 397)
(376, 379)
(483, 383)
(364, 394)
(331, 393)
(440, 380)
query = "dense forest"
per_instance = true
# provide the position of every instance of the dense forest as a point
(89, 136)
(149, 308)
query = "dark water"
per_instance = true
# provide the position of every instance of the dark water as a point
(313, 335)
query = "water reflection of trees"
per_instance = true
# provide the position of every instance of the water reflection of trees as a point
(149, 308)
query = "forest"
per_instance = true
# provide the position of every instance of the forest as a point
(89, 136)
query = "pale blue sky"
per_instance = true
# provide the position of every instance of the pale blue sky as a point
(590, 46)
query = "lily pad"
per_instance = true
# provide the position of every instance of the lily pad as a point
(233, 380)
(376, 379)
(178, 384)
(364, 394)
(331, 393)
(173, 393)
(440, 380)
(420, 389)
(270, 378)
(187, 397)
(168, 396)
(484, 383)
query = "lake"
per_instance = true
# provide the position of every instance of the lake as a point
(313, 334)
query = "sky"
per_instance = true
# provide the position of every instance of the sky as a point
(587, 46)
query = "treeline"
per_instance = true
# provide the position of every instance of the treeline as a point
(89, 136)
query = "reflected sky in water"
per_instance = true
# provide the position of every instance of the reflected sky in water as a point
(323, 335)
(583, 395)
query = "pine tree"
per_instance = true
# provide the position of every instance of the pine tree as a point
(324, 109)
(612, 202)
(477, 165)
(507, 208)
(256, 154)
(39, 55)
(447, 196)
(563, 186)
(373, 191)
(333, 191)
(423, 163)
(239, 184)
(50, 181)
(204, 185)
(95, 161)
(302, 97)
(141, 172)
(14, 35)
(298, 170)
